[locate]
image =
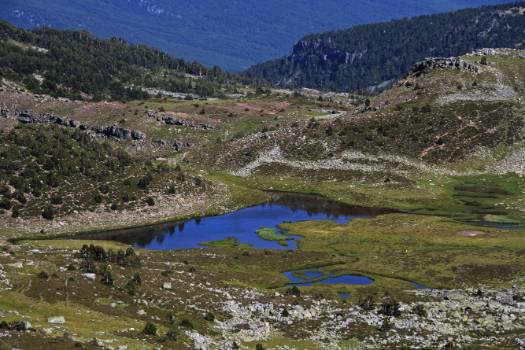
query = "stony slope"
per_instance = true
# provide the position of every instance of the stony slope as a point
(442, 113)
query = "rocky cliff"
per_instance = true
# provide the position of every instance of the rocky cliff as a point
(371, 56)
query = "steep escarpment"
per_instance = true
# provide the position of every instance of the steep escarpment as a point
(372, 56)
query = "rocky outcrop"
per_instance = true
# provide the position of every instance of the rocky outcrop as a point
(120, 133)
(172, 120)
(182, 122)
(108, 131)
(179, 146)
(505, 51)
(369, 55)
(7, 112)
(443, 63)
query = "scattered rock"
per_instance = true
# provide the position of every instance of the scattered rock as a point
(170, 120)
(90, 276)
(141, 312)
(56, 320)
(469, 233)
(17, 265)
(98, 342)
(46, 331)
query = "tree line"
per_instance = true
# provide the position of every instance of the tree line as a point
(75, 64)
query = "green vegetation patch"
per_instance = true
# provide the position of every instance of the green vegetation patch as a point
(74, 244)
(72, 63)
(434, 251)
(271, 234)
(50, 171)
(230, 242)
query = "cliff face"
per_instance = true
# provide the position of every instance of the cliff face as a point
(373, 55)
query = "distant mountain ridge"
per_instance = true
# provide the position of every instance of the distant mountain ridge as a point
(372, 55)
(233, 34)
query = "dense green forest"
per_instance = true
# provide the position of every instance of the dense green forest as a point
(370, 55)
(72, 63)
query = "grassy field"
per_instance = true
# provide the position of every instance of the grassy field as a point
(432, 251)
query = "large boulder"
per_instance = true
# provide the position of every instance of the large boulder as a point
(56, 320)
(26, 118)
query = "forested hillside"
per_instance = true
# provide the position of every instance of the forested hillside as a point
(370, 55)
(233, 34)
(76, 64)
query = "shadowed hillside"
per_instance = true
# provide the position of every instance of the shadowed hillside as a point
(371, 56)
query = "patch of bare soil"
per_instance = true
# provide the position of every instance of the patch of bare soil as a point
(15, 101)
(470, 233)
(90, 109)
(255, 107)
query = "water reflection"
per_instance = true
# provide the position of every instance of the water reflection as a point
(242, 224)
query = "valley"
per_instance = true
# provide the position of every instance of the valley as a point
(261, 218)
(233, 35)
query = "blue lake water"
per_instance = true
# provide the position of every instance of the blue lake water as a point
(315, 277)
(241, 224)
(419, 286)
(345, 296)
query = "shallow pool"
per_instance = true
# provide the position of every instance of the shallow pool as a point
(307, 278)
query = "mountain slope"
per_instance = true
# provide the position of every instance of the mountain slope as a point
(370, 55)
(443, 112)
(72, 63)
(233, 34)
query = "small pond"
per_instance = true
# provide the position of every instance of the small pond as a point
(344, 295)
(419, 286)
(305, 278)
(311, 277)
(240, 227)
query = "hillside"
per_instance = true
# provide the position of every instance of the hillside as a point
(44, 168)
(443, 113)
(370, 56)
(280, 220)
(76, 64)
(233, 35)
